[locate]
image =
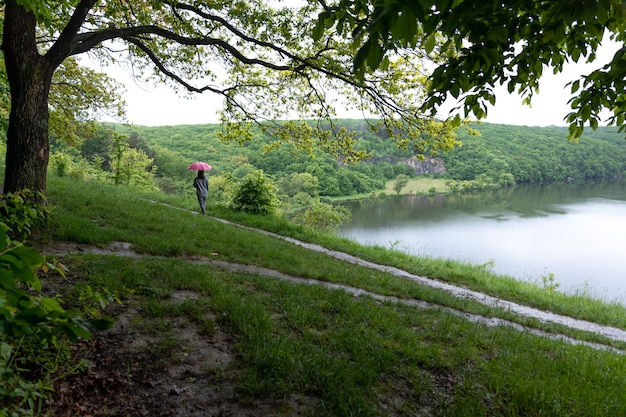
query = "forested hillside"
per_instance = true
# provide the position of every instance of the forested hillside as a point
(175, 146)
(529, 154)
(537, 154)
(157, 157)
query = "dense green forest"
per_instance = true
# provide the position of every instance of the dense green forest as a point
(499, 155)
(172, 148)
(529, 154)
(537, 154)
(202, 142)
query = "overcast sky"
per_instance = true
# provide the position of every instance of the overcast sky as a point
(160, 106)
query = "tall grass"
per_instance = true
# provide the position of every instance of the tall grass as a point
(350, 356)
(101, 213)
(361, 357)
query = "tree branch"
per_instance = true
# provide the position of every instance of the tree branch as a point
(141, 35)
(87, 41)
(61, 48)
(156, 61)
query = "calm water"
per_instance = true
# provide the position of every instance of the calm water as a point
(576, 232)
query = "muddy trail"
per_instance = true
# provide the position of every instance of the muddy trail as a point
(612, 333)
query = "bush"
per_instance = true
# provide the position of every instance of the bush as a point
(20, 210)
(60, 163)
(324, 216)
(34, 329)
(256, 194)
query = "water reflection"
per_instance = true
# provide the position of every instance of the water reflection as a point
(574, 231)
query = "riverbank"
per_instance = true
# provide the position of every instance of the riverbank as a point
(195, 336)
(420, 185)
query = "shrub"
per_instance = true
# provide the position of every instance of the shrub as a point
(324, 216)
(256, 194)
(34, 329)
(20, 210)
(60, 163)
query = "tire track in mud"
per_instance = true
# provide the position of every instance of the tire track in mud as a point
(125, 249)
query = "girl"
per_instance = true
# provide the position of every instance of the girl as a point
(201, 184)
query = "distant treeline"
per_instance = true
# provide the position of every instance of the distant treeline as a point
(502, 154)
(537, 154)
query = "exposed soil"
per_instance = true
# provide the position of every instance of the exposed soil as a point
(129, 375)
(133, 373)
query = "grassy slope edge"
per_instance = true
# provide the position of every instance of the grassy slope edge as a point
(341, 355)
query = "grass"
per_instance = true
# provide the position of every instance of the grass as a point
(356, 356)
(418, 185)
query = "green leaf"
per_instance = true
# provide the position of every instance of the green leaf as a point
(28, 255)
(38, 8)
(51, 304)
(359, 59)
(429, 45)
(7, 279)
(407, 25)
(5, 351)
(318, 31)
(32, 315)
(384, 64)
(75, 331)
(102, 323)
(3, 238)
(374, 55)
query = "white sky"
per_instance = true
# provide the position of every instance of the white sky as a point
(160, 106)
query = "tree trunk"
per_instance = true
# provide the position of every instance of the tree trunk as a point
(29, 76)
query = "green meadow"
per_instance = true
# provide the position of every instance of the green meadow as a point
(296, 345)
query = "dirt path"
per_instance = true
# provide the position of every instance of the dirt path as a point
(612, 333)
(124, 379)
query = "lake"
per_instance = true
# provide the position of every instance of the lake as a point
(575, 231)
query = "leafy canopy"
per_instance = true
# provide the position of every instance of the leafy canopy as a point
(257, 56)
(478, 44)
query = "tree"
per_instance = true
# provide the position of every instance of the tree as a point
(78, 95)
(253, 55)
(401, 181)
(131, 166)
(303, 182)
(476, 45)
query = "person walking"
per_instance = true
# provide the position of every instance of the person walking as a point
(201, 184)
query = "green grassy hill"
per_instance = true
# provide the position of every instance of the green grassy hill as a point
(218, 317)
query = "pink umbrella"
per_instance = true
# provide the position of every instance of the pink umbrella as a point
(199, 166)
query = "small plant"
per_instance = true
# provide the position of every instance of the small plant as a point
(34, 329)
(486, 266)
(549, 282)
(20, 210)
(393, 244)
